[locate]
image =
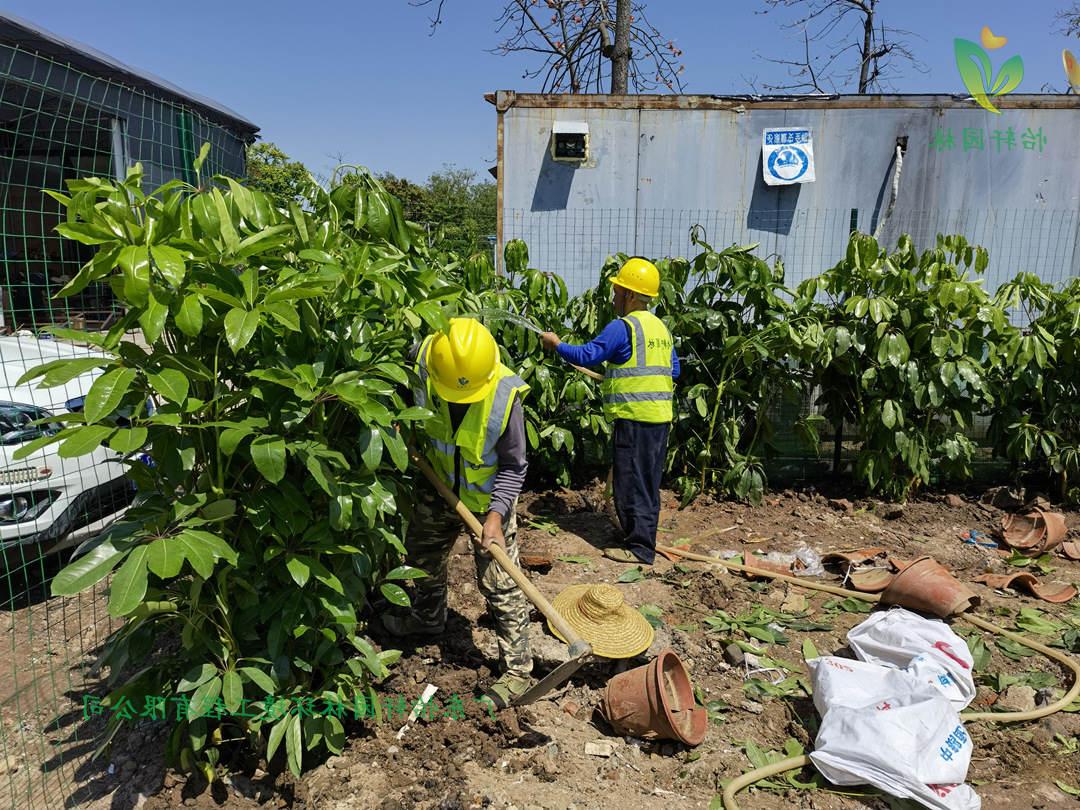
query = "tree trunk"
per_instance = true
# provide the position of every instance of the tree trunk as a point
(868, 33)
(620, 53)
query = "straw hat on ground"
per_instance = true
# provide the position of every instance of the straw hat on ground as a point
(599, 615)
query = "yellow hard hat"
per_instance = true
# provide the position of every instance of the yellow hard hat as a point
(640, 276)
(462, 363)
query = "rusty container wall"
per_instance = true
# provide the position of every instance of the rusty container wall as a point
(658, 166)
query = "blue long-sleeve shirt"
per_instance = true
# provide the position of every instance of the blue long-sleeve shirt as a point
(612, 345)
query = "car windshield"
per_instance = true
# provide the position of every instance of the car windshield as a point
(15, 423)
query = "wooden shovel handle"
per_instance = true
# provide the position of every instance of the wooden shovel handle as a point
(588, 372)
(501, 557)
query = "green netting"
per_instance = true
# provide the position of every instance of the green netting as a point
(59, 122)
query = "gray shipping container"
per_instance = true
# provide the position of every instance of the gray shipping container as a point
(658, 165)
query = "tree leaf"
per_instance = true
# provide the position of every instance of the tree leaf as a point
(285, 314)
(219, 510)
(652, 614)
(399, 453)
(260, 679)
(230, 438)
(277, 733)
(128, 440)
(107, 392)
(268, 453)
(59, 372)
(371, 448)
(153, 317)
(406, 572)
(134, 261)
(165, 557)
(232, 690)
(87, 570)
(395, 594)
(198, 556)
(169, 262)
(1067, 788)
(299, 569)
(196, 677)
(294, 748)
(203, 699)
(129, 585)
(240, 325)
(631, 575)
(85, 232)
(211, 543)
(888, 414)
(249, 280)
(225, 223)
(189, 319)
(171, 384)
(84, 440)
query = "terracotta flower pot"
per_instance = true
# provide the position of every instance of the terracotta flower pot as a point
(1055, 530)
(926, 585)
(655, 701)
(1035, 533)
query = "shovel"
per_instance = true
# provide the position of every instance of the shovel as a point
(580, 650)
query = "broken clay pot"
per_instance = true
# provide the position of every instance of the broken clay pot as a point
(655, 701)
(865, 569)
(1056, 593)
(673, 557)
(873, 580)
(536, 560)
(854, 556)
(1034, 533)
(926, 585)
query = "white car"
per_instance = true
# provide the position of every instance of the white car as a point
(49, 503)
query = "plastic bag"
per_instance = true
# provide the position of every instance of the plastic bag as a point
(890, 719)
(811, 562)
(908, 746)
(926, 648)
(857, 684)
(804, 562)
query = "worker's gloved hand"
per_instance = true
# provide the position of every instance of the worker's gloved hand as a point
(493, 532)
(550, 340)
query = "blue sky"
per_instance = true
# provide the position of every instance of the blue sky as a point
(363, 80)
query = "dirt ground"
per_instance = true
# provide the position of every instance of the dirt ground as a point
(535, 757)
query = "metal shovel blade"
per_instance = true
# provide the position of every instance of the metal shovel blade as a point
(581, 652)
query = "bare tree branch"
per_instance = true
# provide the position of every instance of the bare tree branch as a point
(581, 47)
(836, 27)
(1069, 20)
(436, 18)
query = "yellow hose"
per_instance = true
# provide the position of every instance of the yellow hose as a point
(1049, 652)
(751, 777)
(792, 763)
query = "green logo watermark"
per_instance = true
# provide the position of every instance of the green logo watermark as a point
(977, 71)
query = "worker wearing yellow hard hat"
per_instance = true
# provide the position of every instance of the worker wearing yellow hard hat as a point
(641, 365)
(476, 443)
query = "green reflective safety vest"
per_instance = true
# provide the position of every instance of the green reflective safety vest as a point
(641, 388)
(466, 460)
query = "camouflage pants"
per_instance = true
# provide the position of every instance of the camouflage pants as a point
(430, 539)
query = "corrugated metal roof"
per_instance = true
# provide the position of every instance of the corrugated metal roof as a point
(25, 34)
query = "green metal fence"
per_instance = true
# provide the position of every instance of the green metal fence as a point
(65, 114)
